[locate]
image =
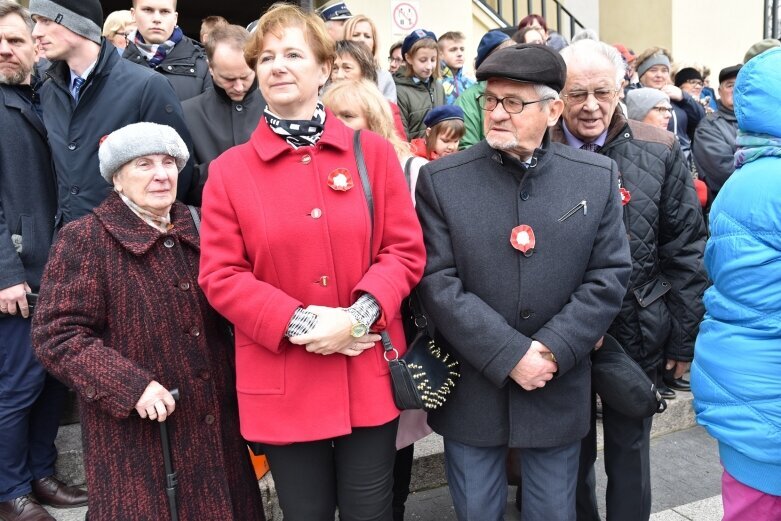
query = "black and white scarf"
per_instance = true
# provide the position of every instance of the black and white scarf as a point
(298, 132)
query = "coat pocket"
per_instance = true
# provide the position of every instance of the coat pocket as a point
(259, 371)
(653, 315)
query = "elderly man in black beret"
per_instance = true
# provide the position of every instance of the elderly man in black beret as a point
(527, 265)
(662, 309)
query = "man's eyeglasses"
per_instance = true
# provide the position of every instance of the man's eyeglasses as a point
(511, 105)
(580, 96)
(696, 83)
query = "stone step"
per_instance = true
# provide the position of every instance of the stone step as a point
(428, 470)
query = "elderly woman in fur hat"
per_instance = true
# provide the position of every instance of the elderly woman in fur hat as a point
(122, 321)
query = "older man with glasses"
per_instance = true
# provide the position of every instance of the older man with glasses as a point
(527, 265)
(662, 308)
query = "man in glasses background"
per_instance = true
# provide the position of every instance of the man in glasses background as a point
(662, 309)
(527, 264)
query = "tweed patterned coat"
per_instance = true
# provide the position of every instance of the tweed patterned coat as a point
(120, 307)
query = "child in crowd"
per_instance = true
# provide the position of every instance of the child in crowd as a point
(444, 129)
(417, 86)
(451, 50)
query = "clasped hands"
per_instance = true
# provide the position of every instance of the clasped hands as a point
(332, 335)
(536, 368)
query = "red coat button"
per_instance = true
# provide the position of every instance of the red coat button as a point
(306, 159)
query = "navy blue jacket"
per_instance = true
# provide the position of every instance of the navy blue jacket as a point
(28, 195)
(116, 93)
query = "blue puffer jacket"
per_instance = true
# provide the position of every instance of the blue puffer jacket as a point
(736, 374)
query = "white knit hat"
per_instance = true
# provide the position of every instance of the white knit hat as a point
(136, 140)
(639, 102)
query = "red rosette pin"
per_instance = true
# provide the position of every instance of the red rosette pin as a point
(340, 180)
(522, 238)
(626, 196)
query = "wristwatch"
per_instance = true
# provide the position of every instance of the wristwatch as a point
(358, 329)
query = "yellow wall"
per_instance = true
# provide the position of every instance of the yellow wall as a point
(723, 32)
(638, 24)
(716, 33)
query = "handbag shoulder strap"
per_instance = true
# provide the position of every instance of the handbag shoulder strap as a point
(196, 218)
(367, 192)
(408, 171)
(367, 187)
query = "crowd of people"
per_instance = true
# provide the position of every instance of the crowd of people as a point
(215, 233)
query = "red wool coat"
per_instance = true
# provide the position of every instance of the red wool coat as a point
(276, 237)
(119, 307)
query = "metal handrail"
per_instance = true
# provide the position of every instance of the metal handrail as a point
(497, 8)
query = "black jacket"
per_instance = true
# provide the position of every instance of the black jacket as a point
(116, 93)
(28, 189)
(488, 300)
(185, 67)
(714, 147)
(662, 309)
(217, 123)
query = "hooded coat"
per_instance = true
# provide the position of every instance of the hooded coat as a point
(736, 374)
(415, 99)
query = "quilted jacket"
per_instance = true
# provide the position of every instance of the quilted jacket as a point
(662, 309)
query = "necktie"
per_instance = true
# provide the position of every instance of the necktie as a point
(591, 147)
(76, 88)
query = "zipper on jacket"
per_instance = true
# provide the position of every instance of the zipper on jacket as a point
(575, 210)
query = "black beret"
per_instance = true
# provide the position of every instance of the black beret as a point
(527, 62)
(687, 74)
(729, 72)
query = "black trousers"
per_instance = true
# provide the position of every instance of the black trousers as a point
(353, 472)
(627, 465)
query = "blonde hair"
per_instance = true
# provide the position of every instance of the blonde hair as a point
(115, 22)
(366, 96)
(280, 17)
(349, 27)
(423, 43)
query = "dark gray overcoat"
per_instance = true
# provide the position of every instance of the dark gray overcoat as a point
(489, 300)
(217, 123)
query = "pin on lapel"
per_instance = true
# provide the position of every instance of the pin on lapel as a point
(575, 209)
(340, 180)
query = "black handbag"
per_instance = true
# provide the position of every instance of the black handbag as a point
(621, 382)
(425, 375)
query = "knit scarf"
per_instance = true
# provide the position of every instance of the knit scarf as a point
(156, 53)
(161, 224)
(754, 146)
(298, 132)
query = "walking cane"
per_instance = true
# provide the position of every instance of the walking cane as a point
(170, 475)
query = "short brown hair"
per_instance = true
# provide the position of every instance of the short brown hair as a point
(454, 36)
(361, 55)
(234, 35)
(279, 17)
(210, 23)
(7, 7)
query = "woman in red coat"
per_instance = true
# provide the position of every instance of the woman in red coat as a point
(121, 320)
(287, 259)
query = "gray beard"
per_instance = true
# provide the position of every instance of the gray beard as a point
(16, 78)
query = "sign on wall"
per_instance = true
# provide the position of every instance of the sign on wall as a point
(405, 15)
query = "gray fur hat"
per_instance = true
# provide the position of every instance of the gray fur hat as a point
(639, 102)
(83, 17)
(136, 140)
